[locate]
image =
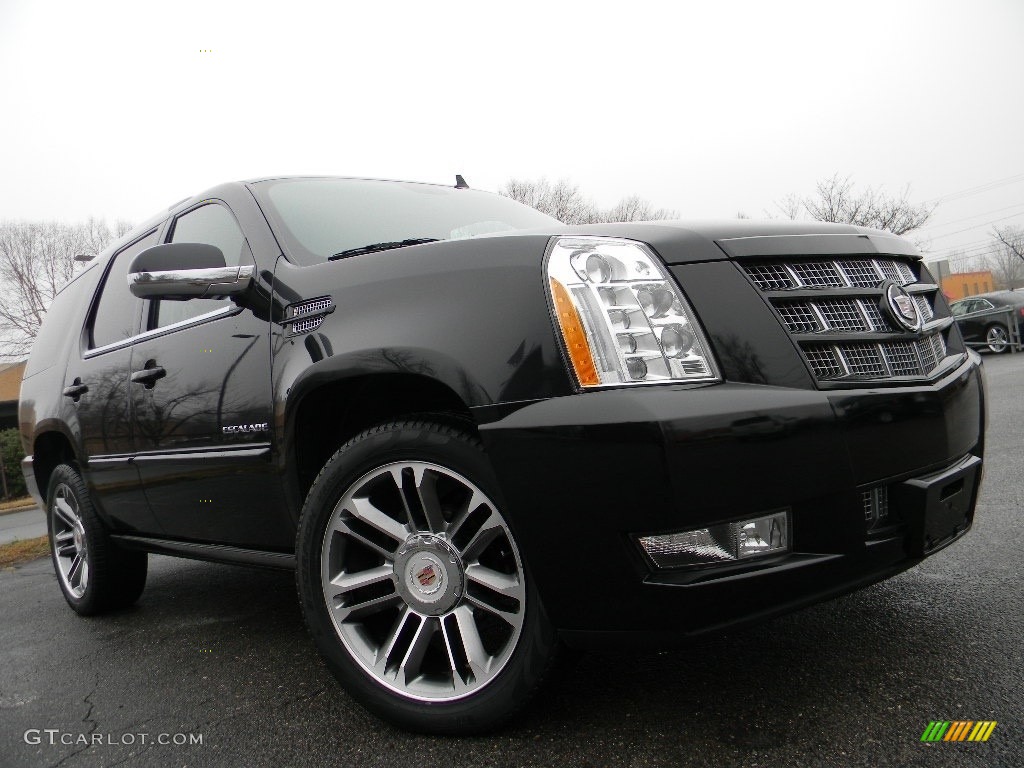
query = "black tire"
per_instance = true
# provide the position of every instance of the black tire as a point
(447, 447)
(113, 577)
(997, 340)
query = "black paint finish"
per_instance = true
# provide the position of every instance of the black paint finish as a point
(584, 475)
(212, 459)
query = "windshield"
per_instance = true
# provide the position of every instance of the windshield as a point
(316, 218)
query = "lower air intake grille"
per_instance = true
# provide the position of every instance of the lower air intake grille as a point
(903, 359)
(825, 363)
(876, 507)
(877, 361)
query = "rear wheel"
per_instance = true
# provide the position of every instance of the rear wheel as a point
(94, 574)
(413, 585)
(997, 339)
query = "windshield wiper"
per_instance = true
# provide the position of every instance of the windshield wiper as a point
(382, 247)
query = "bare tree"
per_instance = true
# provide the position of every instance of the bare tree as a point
(1006, 260)
(561, 199)
(36, 260)
(835, 199)
(635, 208)
(564, 201)
(790, 206)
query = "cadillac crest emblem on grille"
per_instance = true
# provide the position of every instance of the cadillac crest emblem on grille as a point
(901, 307)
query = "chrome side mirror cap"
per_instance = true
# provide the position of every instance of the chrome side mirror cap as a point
(181, 271)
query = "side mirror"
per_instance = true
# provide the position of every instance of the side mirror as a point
(183, 271)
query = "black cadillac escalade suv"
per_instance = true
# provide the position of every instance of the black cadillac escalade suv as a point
(477, 434)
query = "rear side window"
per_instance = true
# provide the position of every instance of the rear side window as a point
(65, 311)
(117, 310)
(211, 224)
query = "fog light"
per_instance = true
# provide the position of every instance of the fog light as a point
(762, 536)
(726, 543)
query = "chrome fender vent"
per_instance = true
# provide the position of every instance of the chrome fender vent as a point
(308, 315)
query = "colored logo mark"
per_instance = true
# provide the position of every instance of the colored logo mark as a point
(958, 730)
(426, 577)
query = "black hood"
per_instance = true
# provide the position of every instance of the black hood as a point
(680, 242)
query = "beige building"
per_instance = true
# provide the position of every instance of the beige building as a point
(10, 387)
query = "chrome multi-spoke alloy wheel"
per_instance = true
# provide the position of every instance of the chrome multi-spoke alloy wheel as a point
(997, 339)
(423, 581)
(71, 551)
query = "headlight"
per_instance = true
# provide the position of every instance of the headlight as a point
(621, 317)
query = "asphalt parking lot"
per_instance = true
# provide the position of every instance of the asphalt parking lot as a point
(221, 652)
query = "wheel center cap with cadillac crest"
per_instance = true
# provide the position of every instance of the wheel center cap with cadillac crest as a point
(901, 307)
(429, 575)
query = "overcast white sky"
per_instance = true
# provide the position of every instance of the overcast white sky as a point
(114, 109)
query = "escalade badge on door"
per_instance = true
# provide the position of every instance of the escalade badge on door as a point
(234, 429)
(901, 307)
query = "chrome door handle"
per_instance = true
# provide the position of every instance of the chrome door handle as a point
(149, 375)
(76, 390)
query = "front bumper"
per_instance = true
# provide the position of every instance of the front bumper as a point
(584, 475)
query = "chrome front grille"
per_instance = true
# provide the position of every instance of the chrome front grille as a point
(930, 355)
(818, 273)
(771, 277)
(843, 299)
(875, 317)
(861, 272)
(889, 272)
(799, 317)
(816, 316)
(863, 360)
(877, 361)
(925, 308)
(824, 362)
(903, 360)
(837, 273)
(842, 314)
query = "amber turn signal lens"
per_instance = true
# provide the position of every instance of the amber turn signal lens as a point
(575, 337)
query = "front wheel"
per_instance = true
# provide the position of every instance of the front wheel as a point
(997, 339)
(413, 585)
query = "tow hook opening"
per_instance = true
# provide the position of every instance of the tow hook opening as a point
(951, 490)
